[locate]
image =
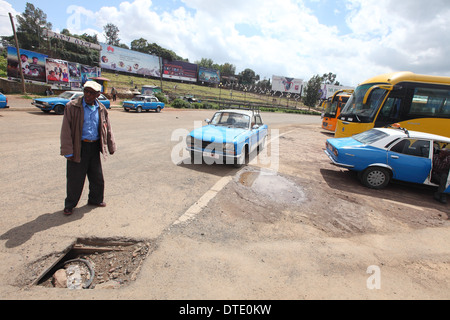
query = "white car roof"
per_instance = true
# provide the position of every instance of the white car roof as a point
(241, 111)
(414, 134)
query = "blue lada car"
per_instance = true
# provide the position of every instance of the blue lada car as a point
(142, 102)
(382, 154)
(229, 138)
(3, 101)
(58, 103)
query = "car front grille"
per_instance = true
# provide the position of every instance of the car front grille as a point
(208, 145)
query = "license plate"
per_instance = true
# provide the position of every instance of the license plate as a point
(211, 155)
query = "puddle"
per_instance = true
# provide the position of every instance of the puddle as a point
(90, 264)
(272, 187)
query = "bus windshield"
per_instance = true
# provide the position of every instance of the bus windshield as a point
(331, 109)
(356, 111)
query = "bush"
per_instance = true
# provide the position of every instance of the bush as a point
(180, 104)
(161, 97)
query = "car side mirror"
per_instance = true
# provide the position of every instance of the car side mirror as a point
(255, 127)
(208, 121)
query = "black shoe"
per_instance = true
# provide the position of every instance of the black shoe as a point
(442, 198)
(68, 211)
(101, 204)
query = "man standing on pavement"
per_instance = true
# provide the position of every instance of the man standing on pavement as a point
(85, 132)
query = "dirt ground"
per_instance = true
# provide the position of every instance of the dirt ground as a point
(294, 227)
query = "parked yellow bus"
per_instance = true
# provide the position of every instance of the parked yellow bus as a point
(333, 109)
(416, 102)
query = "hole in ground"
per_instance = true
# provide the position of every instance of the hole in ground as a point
(96, 263)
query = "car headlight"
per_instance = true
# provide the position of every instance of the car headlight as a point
(189, 140)
(228, 148)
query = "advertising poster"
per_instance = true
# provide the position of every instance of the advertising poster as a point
(57, 71)
(287, 85)
(74, 72)
(180, 70)
(88, 72)
(328, 90)
(33, 64)
(119, 59)
(208, 75)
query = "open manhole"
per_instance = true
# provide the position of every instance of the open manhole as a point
(91, 264)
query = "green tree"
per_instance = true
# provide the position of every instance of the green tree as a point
(313, 91)
(112, 34)
(140, 45)
(30, 27)
(227, 69)
(3, 64)
(72, 52)
(248, 77)
(330, 78)
(205, 63)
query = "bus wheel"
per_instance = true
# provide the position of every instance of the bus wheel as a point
(376, 177)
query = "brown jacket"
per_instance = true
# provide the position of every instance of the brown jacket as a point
(72, 128)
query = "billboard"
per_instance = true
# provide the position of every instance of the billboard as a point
(180, 70)
(327, 90)
(33, 64)
(119, 59)
(208, 75)
(287, 85)
(57, 71)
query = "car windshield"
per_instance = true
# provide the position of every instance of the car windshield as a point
(370, 136)
(66, 95)
(231, 119)
(138, 98)
(356, 111)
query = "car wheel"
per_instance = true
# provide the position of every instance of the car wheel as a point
(376, 177)
(158, 110)
(243, 158)
(59, 109)
(139, 110)
(126, 110)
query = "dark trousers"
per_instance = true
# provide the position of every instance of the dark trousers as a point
(89, 166)
(440, 179)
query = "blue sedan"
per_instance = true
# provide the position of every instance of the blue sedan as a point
(58, 103)
(142, 102)
(229, 138)
(3, 101)
(382, 154)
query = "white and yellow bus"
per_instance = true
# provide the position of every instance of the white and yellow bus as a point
(416, 102)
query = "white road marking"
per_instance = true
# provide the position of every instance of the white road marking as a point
(197, 207)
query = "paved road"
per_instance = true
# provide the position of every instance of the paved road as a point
(217, 231)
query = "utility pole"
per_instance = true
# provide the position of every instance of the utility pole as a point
(24, 90)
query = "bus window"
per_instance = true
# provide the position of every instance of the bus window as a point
(429, 102)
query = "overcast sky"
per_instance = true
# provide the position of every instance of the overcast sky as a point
(355, 39)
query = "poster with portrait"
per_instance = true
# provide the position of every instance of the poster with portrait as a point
(74, 72)
(88, 72)
(57, 71)
(33, 64)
